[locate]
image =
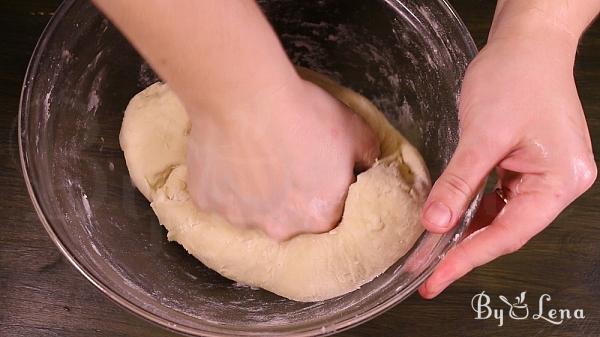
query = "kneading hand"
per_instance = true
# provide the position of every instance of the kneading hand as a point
(282, 162)
(267, 149)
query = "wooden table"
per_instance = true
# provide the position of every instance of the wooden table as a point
(41, 294)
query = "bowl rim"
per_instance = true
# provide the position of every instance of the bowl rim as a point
(337, 326)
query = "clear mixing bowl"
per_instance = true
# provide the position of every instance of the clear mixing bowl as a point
(407, 56)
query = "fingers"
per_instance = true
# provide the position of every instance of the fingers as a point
(459, 183)
(519, 221)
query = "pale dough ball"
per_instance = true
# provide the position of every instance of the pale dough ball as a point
(379, 225)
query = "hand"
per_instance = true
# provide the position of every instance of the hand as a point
(282, 162)
(519, 113)
(267, 150)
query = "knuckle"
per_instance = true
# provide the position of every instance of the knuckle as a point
(324, 226)
(456, 185)
(467, 155)
(515, 244)
(276, 234)
(275, 230)
(588, 172)
(461, 254)
(579, 176)
(321, 221)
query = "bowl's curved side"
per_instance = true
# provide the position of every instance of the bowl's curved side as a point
(363, 310)
(24, 130)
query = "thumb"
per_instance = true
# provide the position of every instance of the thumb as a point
(472, 161)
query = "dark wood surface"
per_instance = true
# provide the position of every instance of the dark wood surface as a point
(41, 294)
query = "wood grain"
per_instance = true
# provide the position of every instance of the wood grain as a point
(41, 294)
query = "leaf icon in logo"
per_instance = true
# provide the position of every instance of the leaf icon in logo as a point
(518, 310)
(521, 298)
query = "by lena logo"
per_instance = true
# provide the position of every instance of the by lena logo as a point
(519, 310)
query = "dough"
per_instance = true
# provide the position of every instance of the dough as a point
(379, 225)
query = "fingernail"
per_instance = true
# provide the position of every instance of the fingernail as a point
(436, 284)
(438, 215)
(422, 291)
(435, 290)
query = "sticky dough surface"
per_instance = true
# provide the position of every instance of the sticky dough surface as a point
(379, 225)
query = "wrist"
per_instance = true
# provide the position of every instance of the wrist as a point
(534, 32)
(545, 24)
(261, 103)
(571, 17)
(247, 99)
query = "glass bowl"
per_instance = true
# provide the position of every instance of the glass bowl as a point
(407, 56)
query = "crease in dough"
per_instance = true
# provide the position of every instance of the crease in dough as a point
(379, 225)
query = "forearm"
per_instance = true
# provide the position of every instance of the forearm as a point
(213, 53)
(522, 18)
